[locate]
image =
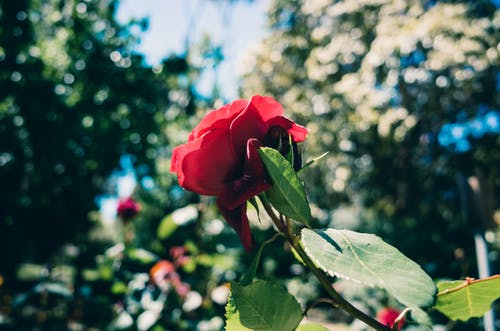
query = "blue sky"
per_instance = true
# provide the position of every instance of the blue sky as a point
(237, 26)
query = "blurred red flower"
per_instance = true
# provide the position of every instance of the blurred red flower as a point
(221, 159)
(387, 316)
(128, 208)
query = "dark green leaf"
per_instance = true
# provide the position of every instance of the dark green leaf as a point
(287, 194)
(252, 270)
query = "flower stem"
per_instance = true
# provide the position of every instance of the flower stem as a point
(342, 303)
(339, 300)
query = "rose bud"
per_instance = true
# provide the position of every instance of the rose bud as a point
(128, 209)
(388, 316)
(221, 156)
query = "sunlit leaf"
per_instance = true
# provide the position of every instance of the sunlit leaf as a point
(463, 299)
(105, 272)
(119, 288)
(261, 306)
(142, 256)
(32, 272)
(366, 259)
(90, 275)
(311, 327)
(180, 217)
(167, 227)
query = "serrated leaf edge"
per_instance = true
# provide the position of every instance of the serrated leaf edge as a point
(379, 283)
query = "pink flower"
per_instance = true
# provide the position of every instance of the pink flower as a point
(163, 275)
(221, 159)
(178, 255)
(128, 208)
(387, 316)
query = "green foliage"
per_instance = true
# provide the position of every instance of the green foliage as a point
(74, 98)
(463, 299)
(287, 194)
(91, 100)
(262, 306)
(366, 259)
(142, 256)
(167, 227)
(119, 288)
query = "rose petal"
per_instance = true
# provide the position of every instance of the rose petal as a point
(252, 182)
(298, 132)
(173, 160)
(205, 164)
(238, 220)
(252, 122)
(218, 119)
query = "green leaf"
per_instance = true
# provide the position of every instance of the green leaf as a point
(310, 162)
(287, 194)
(366, 259)
(32, 272)
(261, 306)
(167, 227)
(90, 275)
(105, 272)
(179, 217)
(142, 256)
(311, 327)
(252, 270)
(290, 155)
(420, 316)
(119, 288)
(463, 299)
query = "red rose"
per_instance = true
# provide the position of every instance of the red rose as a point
(128, 208)
(221, 158)
(387, 316)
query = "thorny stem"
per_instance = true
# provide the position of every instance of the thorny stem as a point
(285, 228)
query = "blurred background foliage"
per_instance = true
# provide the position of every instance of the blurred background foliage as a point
(402, 94)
